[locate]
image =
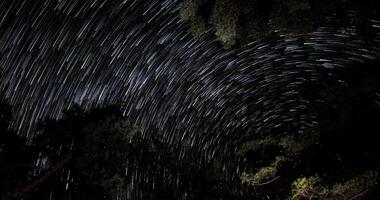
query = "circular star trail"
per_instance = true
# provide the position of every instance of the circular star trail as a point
(56, 53)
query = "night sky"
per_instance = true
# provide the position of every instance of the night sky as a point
(57, 53)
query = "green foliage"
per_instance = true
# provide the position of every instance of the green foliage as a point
(190, 11)
(104, 152)
(294, 144)
(101, 145)
(307, 188)
(292, 160)
(97, 143)
(256, 145)
(264, 174)
(198, 26)
(224, 19)
(354, 188)
(338, 159)
(238, 22)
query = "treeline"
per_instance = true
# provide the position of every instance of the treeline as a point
(239, 22)
(101, 154)
(339, 158)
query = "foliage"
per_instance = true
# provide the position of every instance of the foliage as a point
(338, 159)
(98, 143)
(307, 188)
(264, 175)
(354, 188)
(80, 156)
(85, 155)
(98, 154)
(15, 156)
(224, 19)
(238, 22)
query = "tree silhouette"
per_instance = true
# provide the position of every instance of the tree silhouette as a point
(15, 157)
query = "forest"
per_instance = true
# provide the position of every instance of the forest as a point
(97, 154)
(239, 22)
(190, 100)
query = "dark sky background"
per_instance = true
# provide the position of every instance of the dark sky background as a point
(55, 53)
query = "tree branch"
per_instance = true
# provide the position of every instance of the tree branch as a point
(267, 182)
(19, 192)
(358, 195)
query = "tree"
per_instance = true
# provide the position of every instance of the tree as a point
(69, 158)
(339, 159)
(15, 157)
(97, 154)
(94, 146)
(238, 22)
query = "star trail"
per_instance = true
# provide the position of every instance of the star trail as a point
(57, 53)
